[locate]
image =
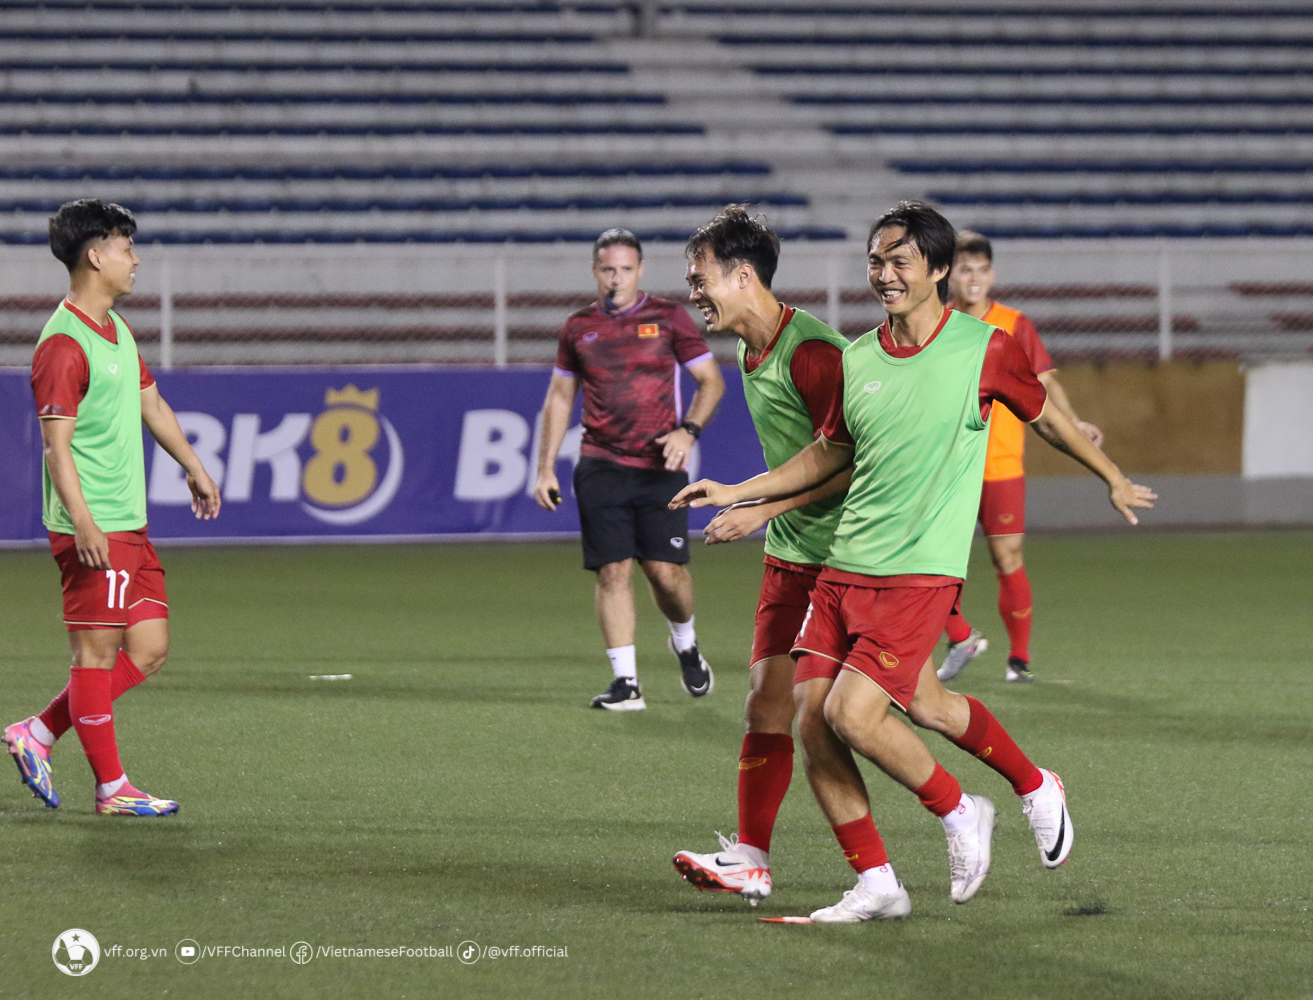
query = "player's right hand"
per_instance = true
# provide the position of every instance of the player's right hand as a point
(703, 493)
(734, 523)
(542, 491)
(92, 547)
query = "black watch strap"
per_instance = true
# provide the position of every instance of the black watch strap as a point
(693, 427)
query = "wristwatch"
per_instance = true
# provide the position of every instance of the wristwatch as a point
(693, 427)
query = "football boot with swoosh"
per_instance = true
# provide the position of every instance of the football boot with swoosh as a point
(1046, 810)
(735, 867)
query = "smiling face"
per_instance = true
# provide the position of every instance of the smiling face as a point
(115, 262)
(899, 274)
(721, 297)
(618, 270)
(971, 280)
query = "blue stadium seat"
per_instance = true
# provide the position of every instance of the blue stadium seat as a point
(344, 35)
(1154, 230)
(237, 236)
(507, 128)
(240, 98)
(250, 205)
(395, 172)
(1009, 128)
(1295, 165)
(997, 72)
(317, 6)
(1021, 101)
(122, 64)
(1045, 40)
(1122, 197)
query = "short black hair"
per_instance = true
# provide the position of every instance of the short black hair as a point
(735, 237)
(928, 230)
(969, 241)
(79, 222)
(617, 238)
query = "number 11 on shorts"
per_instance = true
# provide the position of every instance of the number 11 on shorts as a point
(112, 576)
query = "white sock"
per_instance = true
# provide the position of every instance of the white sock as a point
(962, 817)
(881, 880)
(622, 661)
(41, 732)
(683, 635)
(111, 787)
(756, 855)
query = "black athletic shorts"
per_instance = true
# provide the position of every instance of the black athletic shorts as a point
(624, 514)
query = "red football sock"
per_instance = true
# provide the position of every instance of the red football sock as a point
(1014, 607)
(92, 709)
(125, 677)
(861, 843)
(958, 628)
(987, 740)
(765, 770)
(941, 794)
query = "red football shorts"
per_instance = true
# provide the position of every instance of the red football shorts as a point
(785, 596)
(1003, 506)
(886, 634)
(131, 592)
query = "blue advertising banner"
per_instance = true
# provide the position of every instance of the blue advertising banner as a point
(367, 453)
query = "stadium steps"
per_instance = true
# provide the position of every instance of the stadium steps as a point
(794, 85)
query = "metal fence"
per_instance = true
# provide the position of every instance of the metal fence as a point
(505, 306)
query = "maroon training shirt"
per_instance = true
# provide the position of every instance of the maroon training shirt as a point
(629, 363)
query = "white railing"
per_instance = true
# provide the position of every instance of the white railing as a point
(503, 305)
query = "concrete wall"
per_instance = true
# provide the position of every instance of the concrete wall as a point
(1176, 417)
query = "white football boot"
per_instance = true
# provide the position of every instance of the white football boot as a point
(736, 867)
(1046, 810)
(968, 852)
(861, 903)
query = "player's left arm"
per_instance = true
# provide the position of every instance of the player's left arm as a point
(710, 388)
(1058, 396)
(1009, 378)
(160, 420)
(1041, 363)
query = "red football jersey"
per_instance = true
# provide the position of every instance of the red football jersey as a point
(629, 363)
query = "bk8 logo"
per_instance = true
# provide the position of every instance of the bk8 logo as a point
(340, 482)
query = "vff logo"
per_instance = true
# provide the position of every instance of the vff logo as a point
(75, 952)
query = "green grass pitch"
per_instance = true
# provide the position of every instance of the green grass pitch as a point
(458, 789)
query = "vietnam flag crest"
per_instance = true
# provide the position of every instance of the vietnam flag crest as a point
(649, 330)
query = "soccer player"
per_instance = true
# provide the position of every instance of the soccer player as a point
(912, 422)
(626, 350)
(1003, 500)
(93, 393)
(792, 366)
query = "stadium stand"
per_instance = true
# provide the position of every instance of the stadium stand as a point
(489, 122)
(496, 120)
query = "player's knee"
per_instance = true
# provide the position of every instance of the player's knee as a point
(839, 715)
(1006, 554)
(149, 661)
(766, 712)
(614, 576)
(812, 726)
(942, 713)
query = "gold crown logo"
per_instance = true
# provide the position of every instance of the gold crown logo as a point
(351, 396)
